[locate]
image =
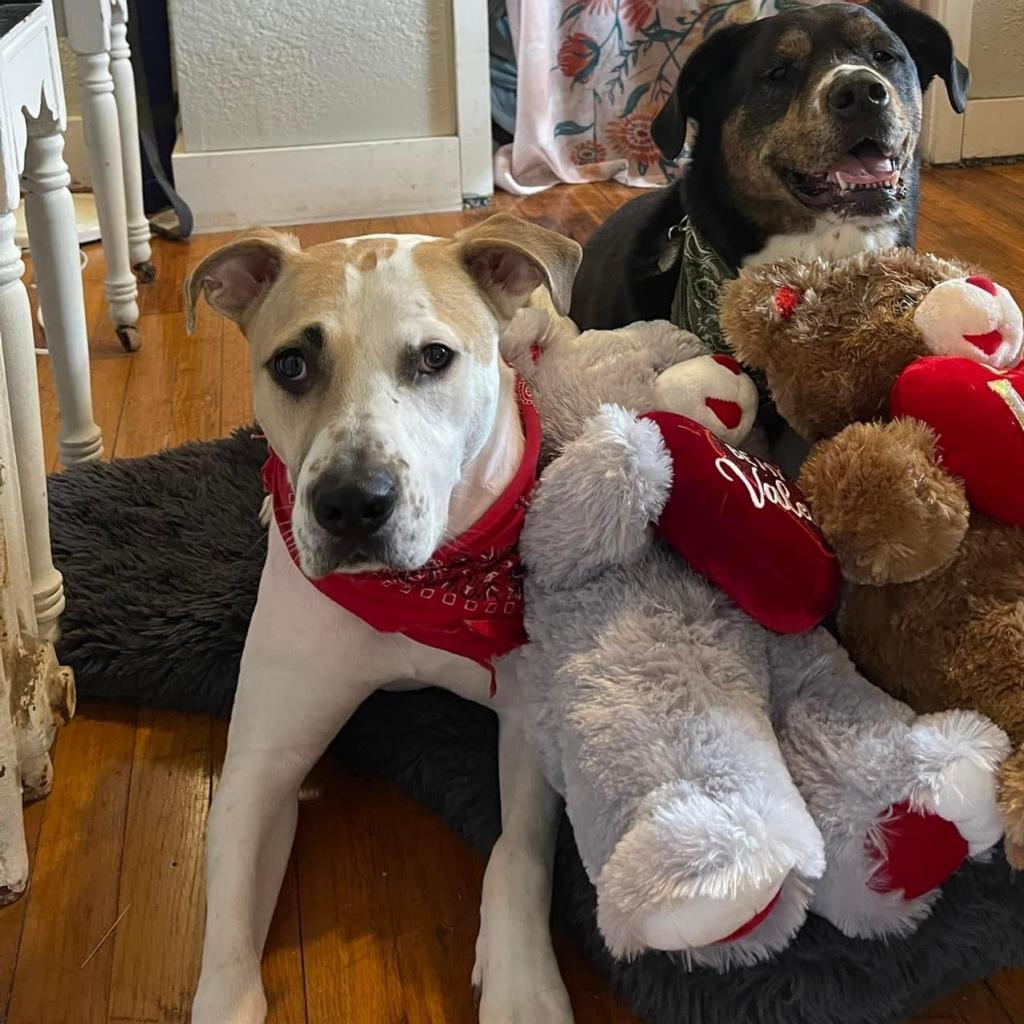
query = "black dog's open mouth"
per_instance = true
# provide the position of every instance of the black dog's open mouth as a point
(866, 179)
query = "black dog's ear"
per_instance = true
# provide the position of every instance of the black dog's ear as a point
(930, 46)
(714, 56)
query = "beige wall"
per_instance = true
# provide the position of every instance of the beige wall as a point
(997, 49)
(280, 73)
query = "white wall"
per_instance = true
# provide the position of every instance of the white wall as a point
(997, 49)
(275, 73)
(74, 139)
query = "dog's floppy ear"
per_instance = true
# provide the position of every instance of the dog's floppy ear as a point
(236, 277)
(929, 45)
(714, 56)
(510, 257)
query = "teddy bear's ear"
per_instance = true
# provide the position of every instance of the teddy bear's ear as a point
(752, 306)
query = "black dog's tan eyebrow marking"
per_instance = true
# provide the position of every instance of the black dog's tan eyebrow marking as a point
(795, 45)
(859, 28)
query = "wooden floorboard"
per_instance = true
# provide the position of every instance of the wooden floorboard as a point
(378, 914)
(64, 965)
(161, 884)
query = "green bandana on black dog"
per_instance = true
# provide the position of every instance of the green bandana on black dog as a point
(702, 272)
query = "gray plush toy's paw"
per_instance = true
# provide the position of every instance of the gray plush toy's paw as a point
(716, 880)
(714, 391)
(765, 937)
(886, 865)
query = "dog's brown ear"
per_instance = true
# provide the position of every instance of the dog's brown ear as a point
(510, 257)
(930, 47)
(714, 58)
(236, 277)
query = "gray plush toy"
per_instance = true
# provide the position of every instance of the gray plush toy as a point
(721, 779)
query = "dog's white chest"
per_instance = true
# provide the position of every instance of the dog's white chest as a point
(827, 240)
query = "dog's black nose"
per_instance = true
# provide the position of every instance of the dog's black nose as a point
(355, 505)
(857, 94)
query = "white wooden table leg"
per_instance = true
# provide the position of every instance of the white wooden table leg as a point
(23, 393)
(103, 141)
(13, 849)
(50, 218)
(128, 121)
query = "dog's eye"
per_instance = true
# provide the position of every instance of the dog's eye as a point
(435, 357)
(883, 57)
(778, 73)
(290, 365)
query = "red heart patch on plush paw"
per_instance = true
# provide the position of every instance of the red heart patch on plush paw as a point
(739, 521)
(978, 414)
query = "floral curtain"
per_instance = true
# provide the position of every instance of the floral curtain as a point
(591, 76)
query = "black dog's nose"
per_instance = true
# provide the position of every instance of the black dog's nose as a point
(356, 505)
(856, 94)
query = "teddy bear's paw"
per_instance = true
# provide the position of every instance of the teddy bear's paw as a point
(1011, 806)
(695, 872)
(972, 317)
(885, 504)
(714, 391)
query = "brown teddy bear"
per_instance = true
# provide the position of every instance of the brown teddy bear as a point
(901, 370)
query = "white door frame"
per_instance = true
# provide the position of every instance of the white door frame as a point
(942, 135)
(473, 100)
(989, 127)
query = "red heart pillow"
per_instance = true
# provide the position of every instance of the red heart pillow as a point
(978, 414)
(741, 523)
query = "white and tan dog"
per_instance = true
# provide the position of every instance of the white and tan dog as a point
(377, 380)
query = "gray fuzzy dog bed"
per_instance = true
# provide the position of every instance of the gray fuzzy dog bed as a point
(161, 558)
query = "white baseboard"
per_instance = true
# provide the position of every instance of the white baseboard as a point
(233, 189)
(994, 128)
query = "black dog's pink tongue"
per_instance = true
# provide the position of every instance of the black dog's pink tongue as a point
(865, 168)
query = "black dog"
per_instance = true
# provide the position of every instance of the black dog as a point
(807, 129)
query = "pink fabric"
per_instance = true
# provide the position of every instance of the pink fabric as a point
(591, 76)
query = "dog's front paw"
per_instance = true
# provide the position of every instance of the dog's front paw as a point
(230, 998)
(515, 976)
(540, 1007)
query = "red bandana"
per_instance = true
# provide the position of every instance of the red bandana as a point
(468, 599)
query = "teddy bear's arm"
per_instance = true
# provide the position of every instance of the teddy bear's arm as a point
(594, 504)
(884, 503)
(1011, 803)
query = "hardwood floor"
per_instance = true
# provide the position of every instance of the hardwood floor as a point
(378, 915)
